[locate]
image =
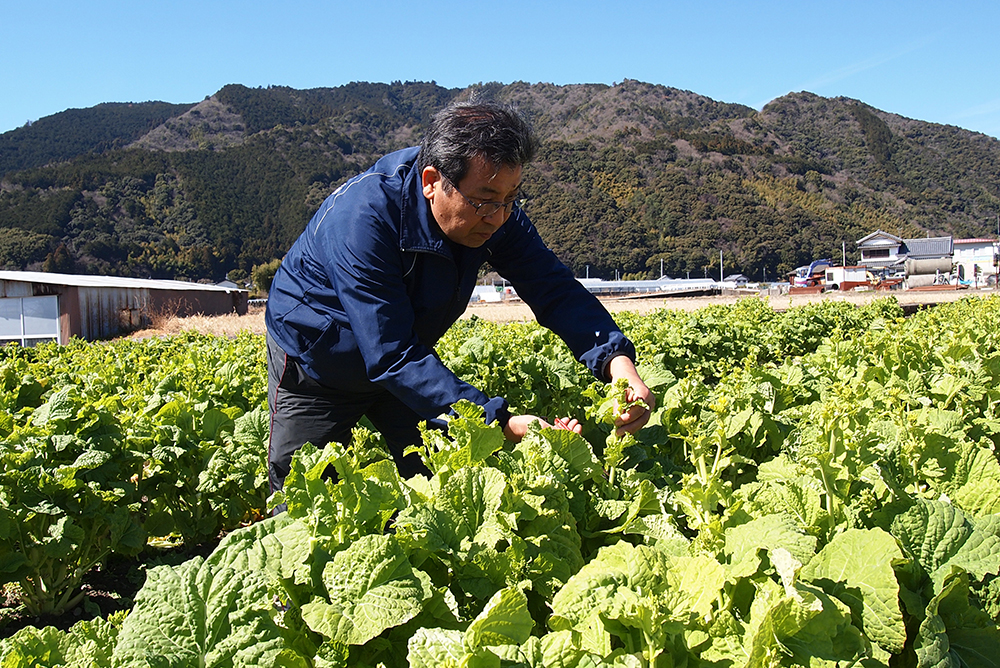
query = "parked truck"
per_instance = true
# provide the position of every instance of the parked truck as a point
(810, 276)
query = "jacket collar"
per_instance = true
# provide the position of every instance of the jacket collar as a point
(418, 230)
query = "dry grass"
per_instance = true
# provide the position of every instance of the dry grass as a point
(220, 325)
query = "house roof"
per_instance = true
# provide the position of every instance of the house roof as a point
(882, 236)
(931, 247)
(81, 280)
(974, 241)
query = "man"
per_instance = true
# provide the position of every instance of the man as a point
(388, 264)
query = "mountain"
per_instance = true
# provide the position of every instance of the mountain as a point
(630, 178)
(74, 132)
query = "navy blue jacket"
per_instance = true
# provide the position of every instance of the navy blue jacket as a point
(372, 284)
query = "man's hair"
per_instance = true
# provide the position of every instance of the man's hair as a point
(496, 132)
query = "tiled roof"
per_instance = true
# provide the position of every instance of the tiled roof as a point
(931, 247)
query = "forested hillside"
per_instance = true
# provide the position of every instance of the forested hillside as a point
(630, 177)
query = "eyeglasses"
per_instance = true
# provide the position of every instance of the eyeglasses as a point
(486, 209)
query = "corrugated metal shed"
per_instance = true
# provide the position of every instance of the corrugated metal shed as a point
(84, 280)
(101, 307)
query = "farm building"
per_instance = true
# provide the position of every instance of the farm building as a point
(846, 278)
(38, 306)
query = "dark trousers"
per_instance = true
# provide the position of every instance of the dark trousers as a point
(305, 411)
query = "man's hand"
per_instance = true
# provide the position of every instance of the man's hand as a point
(635, 417)
(517, 426)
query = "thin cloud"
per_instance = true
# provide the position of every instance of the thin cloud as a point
(858, 67)
(984, 109)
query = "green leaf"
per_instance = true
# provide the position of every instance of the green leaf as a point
(257, 547)
(797, 497)
(766, 533)
(215, 423)
(696, 585)
(940, 536)
(472, 435)
(371, 588)
(253, 427)
(60, 407)
(437, 648)
(87, 644)
(574, 449)
(504, 621)
(857, 568)
(798, 619)
(198, 616)
(609, 584)
(463, 514)
(955, 634)
(979, 474)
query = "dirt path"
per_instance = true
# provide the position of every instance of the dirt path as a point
(516, 311)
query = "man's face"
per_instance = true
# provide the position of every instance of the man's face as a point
(456, 217)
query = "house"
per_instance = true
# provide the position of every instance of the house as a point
(735, 281)
(973, 253)
(41, 306)
(881, 250)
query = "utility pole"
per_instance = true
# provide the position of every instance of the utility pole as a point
(721, 274)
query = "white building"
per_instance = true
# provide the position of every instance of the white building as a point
(972, 253)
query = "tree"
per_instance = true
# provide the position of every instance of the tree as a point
(263, 274)
(19, 248)
(59, 261)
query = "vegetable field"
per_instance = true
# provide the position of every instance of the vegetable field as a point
(818, 487)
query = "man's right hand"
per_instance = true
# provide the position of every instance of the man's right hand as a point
(517, 426)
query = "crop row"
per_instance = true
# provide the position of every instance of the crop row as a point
(816, 487)
(106, 446)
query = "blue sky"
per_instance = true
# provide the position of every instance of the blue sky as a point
(932, 61)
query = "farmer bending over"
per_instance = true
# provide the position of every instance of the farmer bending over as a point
(385, 267)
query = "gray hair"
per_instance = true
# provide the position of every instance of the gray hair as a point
(496, 132)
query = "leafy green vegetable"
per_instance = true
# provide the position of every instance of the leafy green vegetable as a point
(816, 487)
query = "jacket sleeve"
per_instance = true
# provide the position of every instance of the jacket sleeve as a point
(367, 269)
(557, 299)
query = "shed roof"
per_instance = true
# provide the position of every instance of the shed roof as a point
(81, 280)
